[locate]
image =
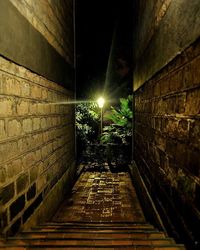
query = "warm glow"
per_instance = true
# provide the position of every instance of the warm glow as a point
(101, 102)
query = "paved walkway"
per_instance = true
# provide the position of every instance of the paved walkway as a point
(103, 213)
(100, 197)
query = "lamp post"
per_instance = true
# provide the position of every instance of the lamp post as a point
(101, 102)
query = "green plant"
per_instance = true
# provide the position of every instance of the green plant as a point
(120, 130)
(87, 122)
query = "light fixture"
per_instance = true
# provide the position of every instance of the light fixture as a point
(101, 102)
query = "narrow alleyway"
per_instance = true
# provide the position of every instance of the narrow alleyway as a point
(102, 213)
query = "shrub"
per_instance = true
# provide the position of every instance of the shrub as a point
(87, 122)
(120, 129)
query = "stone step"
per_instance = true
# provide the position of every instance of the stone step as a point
(99, 227)
(97, 224)
(94, 230)
(109, 235)
(85, 242)
(119, 247)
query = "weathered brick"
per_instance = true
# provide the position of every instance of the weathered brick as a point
(36, 92)
(195, 70)
(187, 76)
(22, 182)
(17, 206)
(193, 102)
(49, 122)
(35, 171)
(183, 129)
(27, 125)
(43, 123)
(176, 81)
(50, 96)
(25, 90)
(37, 139)
(4, 218)
(170, 105)
(14, 127)
(8, 150)
(41, 108)
(2, 129)
(23, 108)
(33, 108)
(25, 143)
(195, 133)
(45, 151)
(46, 136)
(195, 129)
(38, 155)
(53, 108)
(171, 127)
(2, 175)
(44, 94)
(7, 193)
(36, 123)
(165, 86)
(180, 104)
(47, 108)
(14, 168)
(41, 182)
(31, 192)
(12, 85)
(29, 159)
(55, 144)
(54, 121)
(6, 107)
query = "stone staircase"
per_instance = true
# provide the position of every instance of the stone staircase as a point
(85, 235)
(96, 219)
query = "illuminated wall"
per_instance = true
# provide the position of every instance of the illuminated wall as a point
(36, 132)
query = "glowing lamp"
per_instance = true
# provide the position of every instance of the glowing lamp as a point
(101, 102)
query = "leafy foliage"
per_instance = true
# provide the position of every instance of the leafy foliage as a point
(87, 122)
(120, 130)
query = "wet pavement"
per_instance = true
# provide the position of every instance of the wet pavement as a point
(101, 197)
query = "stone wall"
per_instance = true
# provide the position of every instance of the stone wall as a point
(36, 127)
(167, 136)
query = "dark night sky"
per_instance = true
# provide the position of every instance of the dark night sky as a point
(96, 21)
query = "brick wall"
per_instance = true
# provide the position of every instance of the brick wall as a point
(167, 107)
(36, 129)
(36, 139)
(167, 138)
